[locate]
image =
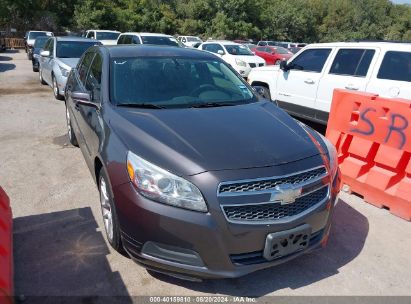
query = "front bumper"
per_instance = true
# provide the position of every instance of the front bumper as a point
(206, 245)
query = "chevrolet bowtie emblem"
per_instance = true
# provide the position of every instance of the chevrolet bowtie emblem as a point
(285, 194)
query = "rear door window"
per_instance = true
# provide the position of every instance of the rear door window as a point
(396, 66)
(352, 62)
(312, 60)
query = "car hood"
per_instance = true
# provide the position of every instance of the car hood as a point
(250, 59)
(109, 42)
(191, 141)
(68, 62)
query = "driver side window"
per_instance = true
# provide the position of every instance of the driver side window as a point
(93, 82)
(84, 67)
(312, 60)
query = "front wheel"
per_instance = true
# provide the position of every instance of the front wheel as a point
(263, 92)
(56, 89)
(108, 211)
(70, 131)
(41, 77)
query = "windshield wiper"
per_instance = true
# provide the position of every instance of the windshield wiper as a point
(140, 105)
(212, 105)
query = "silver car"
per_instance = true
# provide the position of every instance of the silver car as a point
(58, 56)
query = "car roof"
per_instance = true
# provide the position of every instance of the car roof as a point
(104, 31)
(223, 42)
(73, 38)
(381, 45)
(146, 34)
(39, 32)
(144, 50)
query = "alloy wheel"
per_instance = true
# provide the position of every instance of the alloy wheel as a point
(106, 209)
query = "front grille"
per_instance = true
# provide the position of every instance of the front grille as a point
(274, 210)
(252, 258)
(269, 184)
(252, 65)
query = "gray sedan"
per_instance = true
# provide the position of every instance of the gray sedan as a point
(59, 55)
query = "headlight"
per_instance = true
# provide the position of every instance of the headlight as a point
(162, 186)
(331, 151)
(64, 71)
(332, 156)
(240, 62)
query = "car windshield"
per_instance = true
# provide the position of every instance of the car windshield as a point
(40, 42)
(34, 35)
(159, 40)
(175, 82)
(251, 46)
(281, 50)
(72, 49)
(193, 39)
(238, 50)
(107, 36)
(271, 43)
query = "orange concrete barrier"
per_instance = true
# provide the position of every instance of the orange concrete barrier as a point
(373, 139)
(6, 250)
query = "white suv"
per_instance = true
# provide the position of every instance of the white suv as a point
(147, 38)
(104, 36)
(237, 55)
(304, 86)
(190, 41)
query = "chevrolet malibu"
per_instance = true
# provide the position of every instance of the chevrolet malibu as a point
(199, 177)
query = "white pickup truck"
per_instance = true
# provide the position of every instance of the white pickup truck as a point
(304, 85)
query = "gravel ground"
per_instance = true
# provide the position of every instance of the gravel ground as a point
(60, 248)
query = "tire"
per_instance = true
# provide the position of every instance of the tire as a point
(70, 133)
(56, 89)
(41, 78)
(108, 211)
(35, 69)
(263, 92)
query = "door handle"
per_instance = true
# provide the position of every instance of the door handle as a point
(351, 87)
(309, 81)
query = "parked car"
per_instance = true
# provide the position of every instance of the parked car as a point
(267, 42)
(189, 41)
(294, 50)
(31, 36)
(147, 38)
(106, 37)
(273, 54)
(199, 177)
(237, 55)
(59, 56)
(35, 51)
(250, 46)
(304, 85)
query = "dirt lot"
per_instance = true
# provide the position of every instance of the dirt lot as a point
(60, 248)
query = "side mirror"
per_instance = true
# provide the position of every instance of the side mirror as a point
(220, 52)
(84, 99)
(284, 66)
(45, 53)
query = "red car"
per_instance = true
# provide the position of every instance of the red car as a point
(273, 54)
